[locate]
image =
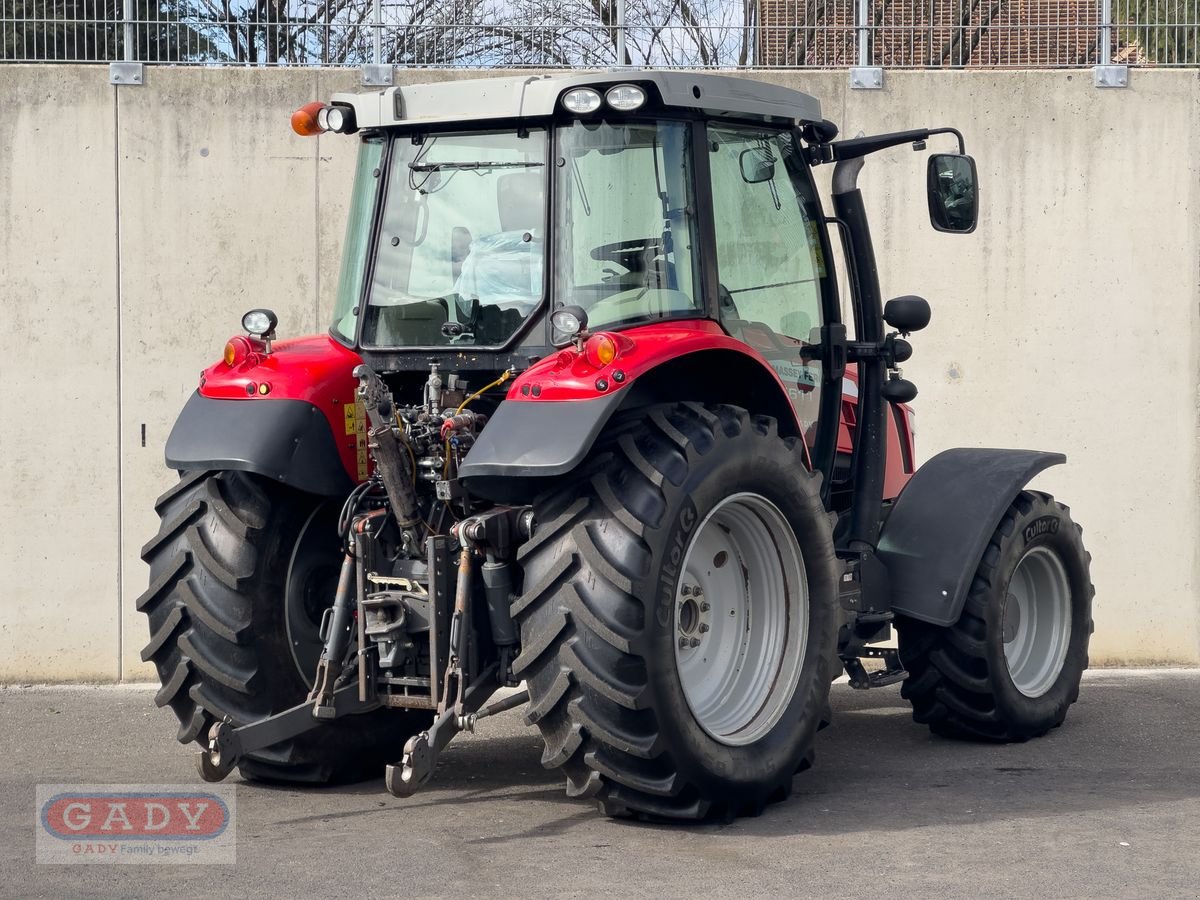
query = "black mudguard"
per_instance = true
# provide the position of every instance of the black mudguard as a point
(942, 521)
(531, 439)
(289, 441)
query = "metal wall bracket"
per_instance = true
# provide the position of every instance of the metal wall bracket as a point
(1111, 76)
(125, 73)
(376, 75)
(866, 78)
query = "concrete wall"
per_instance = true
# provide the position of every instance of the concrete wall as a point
(140, 222)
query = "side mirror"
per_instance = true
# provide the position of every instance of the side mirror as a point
(953, 193)
(757, 165)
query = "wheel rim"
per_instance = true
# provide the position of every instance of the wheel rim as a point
(741, 619)
(1036, 627)
(311, 585)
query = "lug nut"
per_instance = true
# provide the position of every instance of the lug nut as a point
(699, 591)
(695, 642)
(686, 590)
(683, 643)
(703, 627)
(705, 606)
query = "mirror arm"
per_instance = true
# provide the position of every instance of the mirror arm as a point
(856, 148)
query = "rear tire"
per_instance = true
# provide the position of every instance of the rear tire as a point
(218, 605)
(1010, 667)
(680, 492)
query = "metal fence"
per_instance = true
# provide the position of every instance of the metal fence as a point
(597, 33)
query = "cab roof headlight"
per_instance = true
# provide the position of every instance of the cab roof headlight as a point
(260, 323)
(625, 97)
(581, 101)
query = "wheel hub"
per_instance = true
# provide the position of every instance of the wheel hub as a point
(692, 616)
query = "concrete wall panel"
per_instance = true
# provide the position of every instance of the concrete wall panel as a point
(219, 215)
(58, 376)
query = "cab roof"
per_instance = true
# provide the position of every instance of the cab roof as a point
(531, 96)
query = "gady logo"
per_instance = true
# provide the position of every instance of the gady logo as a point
(150, 823)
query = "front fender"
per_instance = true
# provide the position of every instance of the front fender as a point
(940, 526)
(289, 441)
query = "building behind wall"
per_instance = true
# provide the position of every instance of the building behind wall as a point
(935, 33)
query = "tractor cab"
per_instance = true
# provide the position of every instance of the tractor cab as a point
(486, 214)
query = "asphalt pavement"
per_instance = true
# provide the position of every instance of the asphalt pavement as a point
(1106, 806)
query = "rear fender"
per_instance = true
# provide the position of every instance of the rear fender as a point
(937, 531)
(290, 415)
(555, 411)
(288, 441)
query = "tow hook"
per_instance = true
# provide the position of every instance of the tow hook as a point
(421, 752)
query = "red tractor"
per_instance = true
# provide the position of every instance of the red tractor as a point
(583, 422)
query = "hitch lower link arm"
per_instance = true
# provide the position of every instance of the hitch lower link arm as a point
(227, 744)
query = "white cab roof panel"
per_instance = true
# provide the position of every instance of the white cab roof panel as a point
(524, 96)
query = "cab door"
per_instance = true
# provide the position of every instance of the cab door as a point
(775, 285)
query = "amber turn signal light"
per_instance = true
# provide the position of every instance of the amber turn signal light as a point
(601, 349)
(236, 351)
(304, 120)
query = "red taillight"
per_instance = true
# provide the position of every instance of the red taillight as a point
(304, 120)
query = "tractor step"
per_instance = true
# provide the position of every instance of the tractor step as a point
(862, 680)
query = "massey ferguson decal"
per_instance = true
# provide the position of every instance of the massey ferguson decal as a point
(798, 379)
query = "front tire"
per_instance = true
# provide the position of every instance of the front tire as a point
(680, 496)
(1010, 667)
(237, 576)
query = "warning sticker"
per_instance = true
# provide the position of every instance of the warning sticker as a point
(356, 424)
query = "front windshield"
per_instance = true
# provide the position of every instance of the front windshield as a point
(625, 221)
(460, 254)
